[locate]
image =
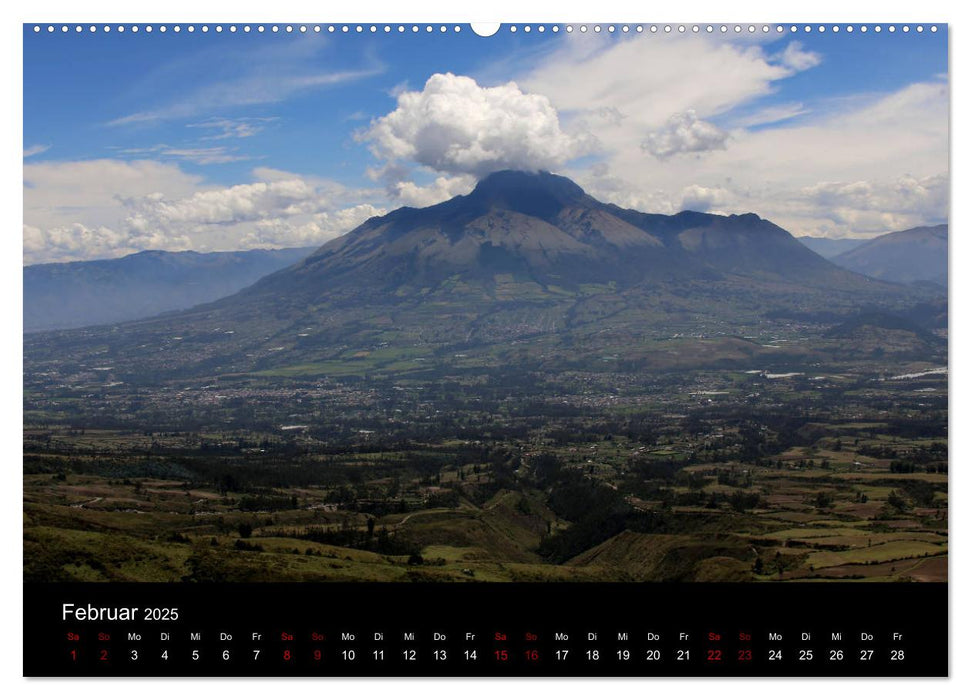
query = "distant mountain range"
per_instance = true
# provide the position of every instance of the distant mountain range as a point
(829, 248)
(77, 294)
(914, 255)
(911, 256)
(527, 268)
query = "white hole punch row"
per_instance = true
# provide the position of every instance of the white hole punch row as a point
(488, 29)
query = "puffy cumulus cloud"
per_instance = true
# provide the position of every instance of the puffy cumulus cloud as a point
(60, 241)
(250, 202)
(66, 242)
(455, 126)
(685, 133)
(707, 199)
(320, 227)
(876, 207)
(74, 209)
(284, 210)
(797, 58)
(71, 214)
(411, 194)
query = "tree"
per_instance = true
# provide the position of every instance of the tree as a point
(384, 540)
(245, 530)
(823, 500)
(895, 501)
(205, 565)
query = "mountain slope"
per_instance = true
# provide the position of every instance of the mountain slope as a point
(525, 268)
(545, 230)
(914, 255)
(76, 294)
(829, 248)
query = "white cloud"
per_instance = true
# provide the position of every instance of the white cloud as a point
(411, 194)
(876, 139)
(66, 242)
(259, 88)
(204, 156)
(798, 59)
(860, 165)
(321, 227)
(284, 209)
(269, 73)
(264, 174)
(602, 183)
(457, 127)
(59, 194)
(644, 80)
(223, 128)
(888, 141)
(698, 198)
(108, 208)
(74, 209)
(685, 133)
(36, 150)
(250, 202)
(209, 155)
(878, 206)
(773, 114)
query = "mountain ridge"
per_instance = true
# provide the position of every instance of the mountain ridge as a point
(140, 285)
(917, 254)
(546, 227)
(830, 247)
(494, 272)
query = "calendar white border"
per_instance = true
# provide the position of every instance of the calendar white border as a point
(453, 11)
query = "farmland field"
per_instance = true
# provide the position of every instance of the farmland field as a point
(681, 478)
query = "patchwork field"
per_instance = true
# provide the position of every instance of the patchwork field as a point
(100, 509)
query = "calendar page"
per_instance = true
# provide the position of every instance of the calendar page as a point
(612, 349)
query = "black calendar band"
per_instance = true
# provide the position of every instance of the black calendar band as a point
(425, 629)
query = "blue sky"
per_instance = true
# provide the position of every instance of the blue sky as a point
(77, 86)
(217, 141)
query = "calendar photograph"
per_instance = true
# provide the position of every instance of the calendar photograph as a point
(410, 304)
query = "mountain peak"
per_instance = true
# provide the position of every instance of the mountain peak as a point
(506, 180)
(539, 193)
(540, 228)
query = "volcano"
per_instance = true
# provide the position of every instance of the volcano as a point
(523, 258)
(543, 229)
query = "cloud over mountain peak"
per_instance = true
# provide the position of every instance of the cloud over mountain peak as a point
(456, 126)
